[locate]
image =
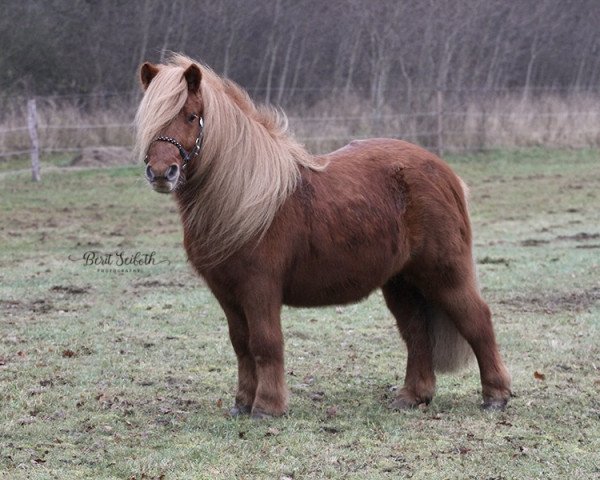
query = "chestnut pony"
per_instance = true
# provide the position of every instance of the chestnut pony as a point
(267, 224)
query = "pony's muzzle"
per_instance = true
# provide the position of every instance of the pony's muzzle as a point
(165, 181)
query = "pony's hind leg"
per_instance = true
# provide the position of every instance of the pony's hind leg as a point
(409, 308)
(472, 317)
(247, 381)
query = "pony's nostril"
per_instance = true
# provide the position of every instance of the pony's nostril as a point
(149, 174)
(172, 172)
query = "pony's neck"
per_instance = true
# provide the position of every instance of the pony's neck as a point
(246, 170)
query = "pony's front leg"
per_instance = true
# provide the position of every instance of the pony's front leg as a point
(266, 346)
(247, 381)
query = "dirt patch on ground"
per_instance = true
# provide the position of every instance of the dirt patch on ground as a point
(555, 302)
(534, 242)
(9, 306)
(494, 261)
(103, 157)
(578, 237)
(14, 307)
(158, 284)
(70, 289)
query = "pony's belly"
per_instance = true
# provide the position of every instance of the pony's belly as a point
(310, 297)
(322, 284)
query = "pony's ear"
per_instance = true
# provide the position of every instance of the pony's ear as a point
(147, 73)
(193, 76)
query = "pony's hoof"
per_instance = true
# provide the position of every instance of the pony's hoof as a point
(258, 414)
(402, 404)
(407, 400)
(238, 410)
(494, 405)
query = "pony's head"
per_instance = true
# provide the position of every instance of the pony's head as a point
(174, 95)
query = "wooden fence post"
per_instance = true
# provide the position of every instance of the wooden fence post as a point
(439, 103)
(33, 136)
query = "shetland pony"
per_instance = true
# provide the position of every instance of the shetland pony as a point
(266, 224)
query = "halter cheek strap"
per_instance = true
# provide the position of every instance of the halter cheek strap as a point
(185, 155)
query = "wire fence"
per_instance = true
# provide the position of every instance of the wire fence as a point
(445, 121)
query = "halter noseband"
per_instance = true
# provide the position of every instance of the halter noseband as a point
(185, 155)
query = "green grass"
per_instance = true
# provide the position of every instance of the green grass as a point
(10, 164)
(128, 374)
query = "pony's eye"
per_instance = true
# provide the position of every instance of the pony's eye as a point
(192, 117)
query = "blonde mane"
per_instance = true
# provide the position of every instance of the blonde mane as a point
(248, 165)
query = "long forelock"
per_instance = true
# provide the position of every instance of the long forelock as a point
(163, 100)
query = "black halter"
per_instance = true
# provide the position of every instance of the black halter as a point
(185, 155)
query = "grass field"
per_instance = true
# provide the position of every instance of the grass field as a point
(126, 372)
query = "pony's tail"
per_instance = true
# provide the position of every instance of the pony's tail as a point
(451, 352)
